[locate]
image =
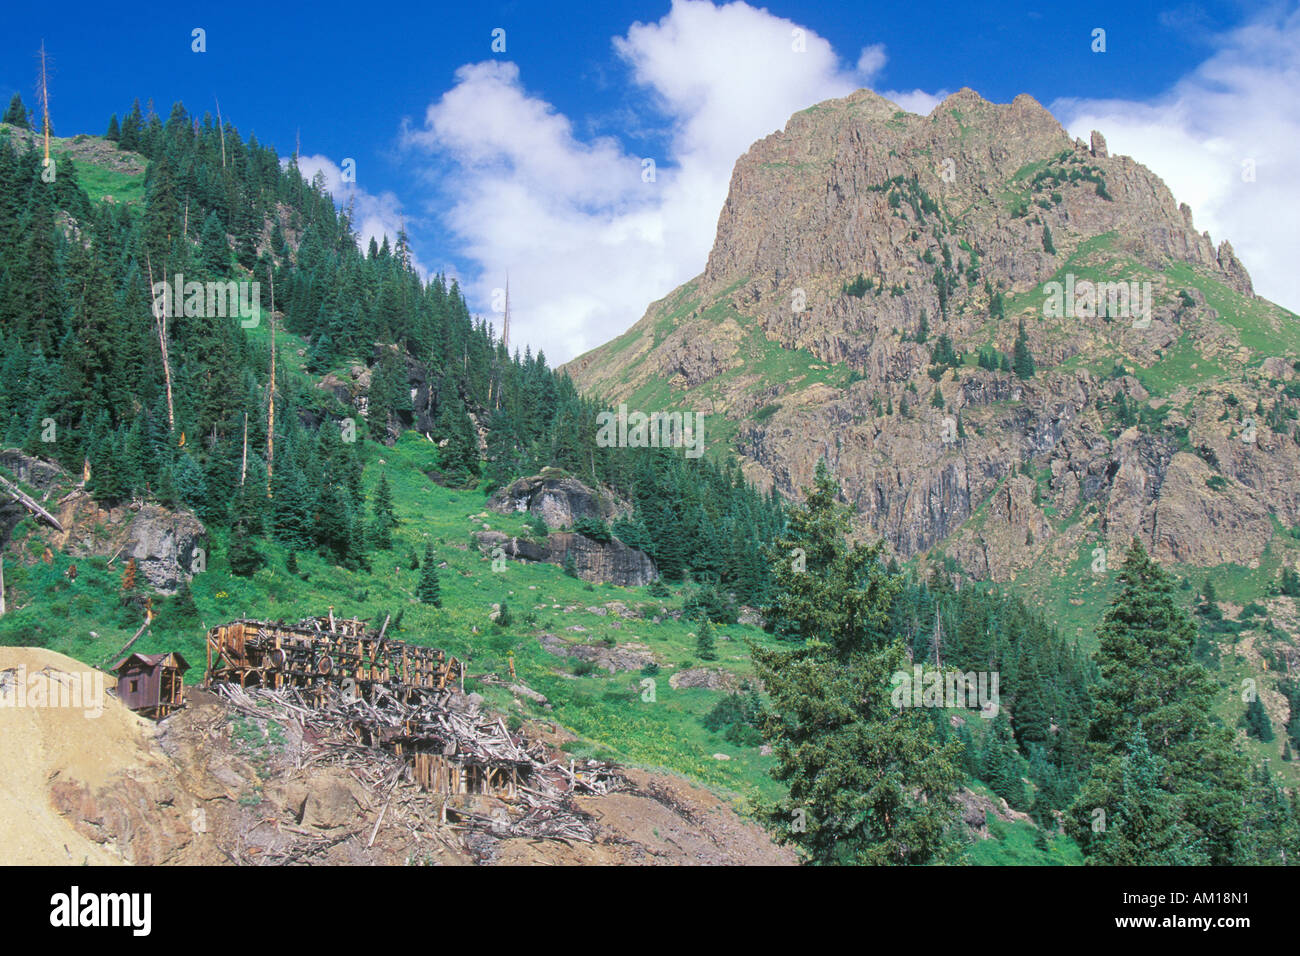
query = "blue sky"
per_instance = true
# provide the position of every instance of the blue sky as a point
(530, 159)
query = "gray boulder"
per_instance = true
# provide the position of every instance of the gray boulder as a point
(558, 498)
(611, 562)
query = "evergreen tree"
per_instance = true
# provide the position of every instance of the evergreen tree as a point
(1270, 833)
(821, 589)
(214, 249)
(387, 397)
(243, 557)
(997, 306)
(455, 432)
(1290, 581)
(16, 114)
(867, 781)
(182, 602)
(429, 591)
(1048, 246)
(1002, 767)
(705, 647)
(132, 128)
(1135, 820)
(1151, 682)
(292, 504)
(1023, 361)
(944, 355)
(385, 518)
(321, 354)
(191, 487)
(1257, 723)
(335, 531)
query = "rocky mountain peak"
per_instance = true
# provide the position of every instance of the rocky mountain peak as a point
(861, 236)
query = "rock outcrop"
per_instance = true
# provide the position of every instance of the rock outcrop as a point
(166, 543)
(630, 656)
(602, 562)
(709, 677)
(558, 499)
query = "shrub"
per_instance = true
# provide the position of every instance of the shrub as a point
(593, 528)
(709, 603)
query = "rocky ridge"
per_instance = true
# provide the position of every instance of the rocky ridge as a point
(854, 238)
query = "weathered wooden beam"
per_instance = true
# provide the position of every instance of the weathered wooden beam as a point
(28, 502)
(125, 647)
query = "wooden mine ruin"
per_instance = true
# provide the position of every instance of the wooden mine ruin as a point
(393, 696)
(323, 651)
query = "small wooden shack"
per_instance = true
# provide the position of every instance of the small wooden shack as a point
(151, 684)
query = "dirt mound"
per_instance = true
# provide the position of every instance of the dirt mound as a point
(46, 748)
(663, 821)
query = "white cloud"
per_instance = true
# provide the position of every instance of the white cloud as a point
(872, 60)
(588, 242)
(1239, 106)
(916, 101)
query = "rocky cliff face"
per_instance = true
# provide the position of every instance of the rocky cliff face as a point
(353, 394)
(604, 562)
(856, 240)
(165, 543)
(558, 499)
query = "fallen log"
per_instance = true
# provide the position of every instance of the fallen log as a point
(28, 502)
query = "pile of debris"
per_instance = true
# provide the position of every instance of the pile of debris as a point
(437, 742)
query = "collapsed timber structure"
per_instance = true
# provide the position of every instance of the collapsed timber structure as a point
(323, 651)
(361, 697)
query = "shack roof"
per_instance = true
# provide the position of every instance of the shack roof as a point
(150, 660)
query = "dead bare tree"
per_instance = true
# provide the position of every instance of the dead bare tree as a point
(221, 127)
(270, 405)
(160, 320)
(45, 103)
